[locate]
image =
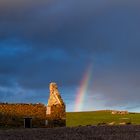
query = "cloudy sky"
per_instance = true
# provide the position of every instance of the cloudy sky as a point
(56, 40)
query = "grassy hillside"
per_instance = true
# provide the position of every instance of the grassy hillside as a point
(96, 117)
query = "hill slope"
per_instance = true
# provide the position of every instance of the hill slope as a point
(96, 117)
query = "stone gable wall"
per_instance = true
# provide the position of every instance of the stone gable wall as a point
(56, 111)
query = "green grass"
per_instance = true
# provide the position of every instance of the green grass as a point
(96, 117)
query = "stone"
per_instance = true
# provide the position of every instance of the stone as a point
(119, 112)
(112, 123)
(55, 98)
(56, 114)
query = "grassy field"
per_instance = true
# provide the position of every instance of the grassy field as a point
(96, 117)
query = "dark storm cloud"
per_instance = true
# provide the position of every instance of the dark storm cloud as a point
(43, 41)
(60, 24)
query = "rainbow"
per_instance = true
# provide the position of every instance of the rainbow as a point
(82, 90)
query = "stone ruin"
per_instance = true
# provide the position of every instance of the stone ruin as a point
(119, 112)
(35, 115)
(56, 114)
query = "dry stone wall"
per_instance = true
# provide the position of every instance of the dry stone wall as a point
(13, 114)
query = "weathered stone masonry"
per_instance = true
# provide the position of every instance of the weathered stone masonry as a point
(56, 114)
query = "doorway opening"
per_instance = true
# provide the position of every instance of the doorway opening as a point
(27, 122)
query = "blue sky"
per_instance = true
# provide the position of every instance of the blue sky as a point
(56, 40)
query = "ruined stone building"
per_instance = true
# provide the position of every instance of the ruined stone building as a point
(35, 115)
(119, 112)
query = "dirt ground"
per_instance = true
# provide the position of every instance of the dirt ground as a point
(74, 133)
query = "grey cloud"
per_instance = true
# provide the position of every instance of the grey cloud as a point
(52, 25)
(56, 41)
